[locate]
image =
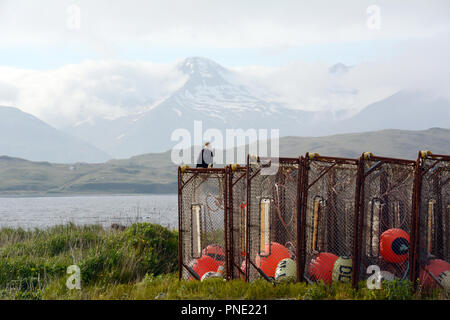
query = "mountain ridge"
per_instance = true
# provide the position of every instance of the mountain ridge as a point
(155, 173)
(24, 135)
(207, 96)
(212, 95)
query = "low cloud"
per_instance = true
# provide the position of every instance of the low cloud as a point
(86, 91)
(110, 89)
(419, 65)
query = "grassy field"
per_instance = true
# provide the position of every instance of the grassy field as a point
(139, 262)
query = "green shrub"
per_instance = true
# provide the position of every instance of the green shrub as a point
(397, 290)
(317, 291)
(29, 259)
(157, 247)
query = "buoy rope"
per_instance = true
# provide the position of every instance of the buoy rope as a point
(277, 203)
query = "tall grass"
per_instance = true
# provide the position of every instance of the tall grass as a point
(139, 262)
(30, 260)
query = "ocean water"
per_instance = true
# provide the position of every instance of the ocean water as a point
(44, 212)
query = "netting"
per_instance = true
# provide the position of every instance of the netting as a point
(434, 222)
(387, 187)
(202, 222)
(272, 217)
(329, 218)
(237, 208)
(318, 218)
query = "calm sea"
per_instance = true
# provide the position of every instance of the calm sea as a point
(43, 212)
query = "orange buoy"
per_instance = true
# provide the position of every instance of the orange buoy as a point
(321, 267)
(394, 245)
(269, 259)
(203, 265)
(436, 267)
(216, 252)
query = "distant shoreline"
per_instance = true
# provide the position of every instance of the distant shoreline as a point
(69, 195)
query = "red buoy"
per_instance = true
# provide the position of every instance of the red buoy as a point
(216, 252)
(321, 267)
(269, 259)
(205, 264)
(436, 267)
(394, 245)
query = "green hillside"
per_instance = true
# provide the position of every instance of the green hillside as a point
(152, 173)
(389, 143)
(155, 173)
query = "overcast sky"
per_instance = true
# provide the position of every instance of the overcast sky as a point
(231, 32)
(391, 43)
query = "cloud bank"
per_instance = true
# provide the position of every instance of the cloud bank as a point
(90, 90)
(111, 87)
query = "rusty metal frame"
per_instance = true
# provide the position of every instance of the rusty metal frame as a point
(303, 194)
(357, 231)
(180, 236)
(249, 176)
(361, 207)
(302, 219)
(414, 236)
(247, 224)
(231, 171)
(181, 185)
(303, 186)
(420, 172)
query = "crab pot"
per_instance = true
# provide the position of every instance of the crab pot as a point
(328, 218)
(432, 255)
(237, 215)
(272, 216)
(385, 216)
(202, 218)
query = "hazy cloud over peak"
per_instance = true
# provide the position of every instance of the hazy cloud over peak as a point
(73, 93)
(73, 61)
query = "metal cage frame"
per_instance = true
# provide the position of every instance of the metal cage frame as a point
(237, 211)
(329, 167)
(364, 173)
(403, 191)
(427, 180)
(251, 174)
(184, 268)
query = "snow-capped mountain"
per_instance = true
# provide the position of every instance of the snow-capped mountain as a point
(209, 95)
(218, 98)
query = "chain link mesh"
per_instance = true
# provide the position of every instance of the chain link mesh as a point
(434, 222)
(244, 220)
(202, 222)
(238, 219)
(387, 199)
(272, 215)
(329, 193)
